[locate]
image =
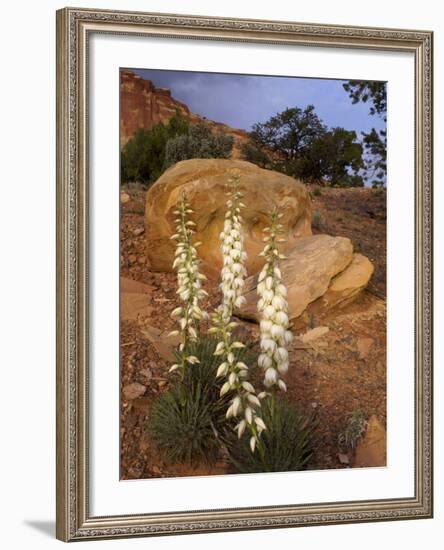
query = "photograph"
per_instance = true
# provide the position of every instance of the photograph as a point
(253, 312)
(244, 273)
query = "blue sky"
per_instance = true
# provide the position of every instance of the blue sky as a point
(242, 100)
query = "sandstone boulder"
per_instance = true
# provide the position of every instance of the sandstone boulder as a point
(311, 264)
(205, 183)
(345, 287)
(350, 282)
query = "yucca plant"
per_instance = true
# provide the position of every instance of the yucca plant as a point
(244, 404)
(189, 282)
(273, 309)
(188, 422)
(214, 396)
(354, 430)
(181, 425)
(287, 442)
(204, 372)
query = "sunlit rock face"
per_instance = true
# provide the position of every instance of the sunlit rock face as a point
(205, 183)
(307, 271)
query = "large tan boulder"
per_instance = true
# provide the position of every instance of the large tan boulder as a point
(310, 265)
(205, 183)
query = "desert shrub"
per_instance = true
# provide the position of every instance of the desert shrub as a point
(198, 142)
(316, 219)
(187, 420)
(286, 445)
(142, 158)
(255, 154)
(354, 430)
(316, 192)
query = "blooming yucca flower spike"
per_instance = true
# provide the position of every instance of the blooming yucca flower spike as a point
(244, 403)
(189, 283)
(272, 305)
(234, 256)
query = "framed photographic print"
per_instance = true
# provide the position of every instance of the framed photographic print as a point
(244, 274)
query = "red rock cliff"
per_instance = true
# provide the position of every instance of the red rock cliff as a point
(142, 105)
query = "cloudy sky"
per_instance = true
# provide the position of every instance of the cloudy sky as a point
(242, 100)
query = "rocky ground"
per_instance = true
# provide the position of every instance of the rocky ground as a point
(338, 365)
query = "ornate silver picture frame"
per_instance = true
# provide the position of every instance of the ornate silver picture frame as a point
(74, 30)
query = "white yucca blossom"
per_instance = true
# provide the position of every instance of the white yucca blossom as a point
(273, 308)
(244, 403)
(189, 284)
(233, 271)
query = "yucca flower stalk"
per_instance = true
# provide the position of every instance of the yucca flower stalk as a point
(234, 256)
(244, 404)
(189, 283)
(272, 306)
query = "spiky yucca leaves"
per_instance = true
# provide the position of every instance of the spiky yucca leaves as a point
(288, 442)
(244, 404)
(182, 428)
(189, 282)
(188, 421)
(354, 430)
(272, 306)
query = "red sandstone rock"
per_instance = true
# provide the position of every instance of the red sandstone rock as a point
(142, 105)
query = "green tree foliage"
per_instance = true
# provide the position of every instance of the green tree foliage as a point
(143, 157)
(297, 143)
(289, 133)
(375, 142)
(335, 156)
(198, 142)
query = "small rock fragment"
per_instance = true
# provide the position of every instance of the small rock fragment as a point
(364, 345)
(138, 231)
(146, 373)
(343, 458)
(134, 390)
